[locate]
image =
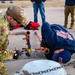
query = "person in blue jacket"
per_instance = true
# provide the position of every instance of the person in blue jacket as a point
(59, 41)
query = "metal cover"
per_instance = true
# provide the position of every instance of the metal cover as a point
(41, 65)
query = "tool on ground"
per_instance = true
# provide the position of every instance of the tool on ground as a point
(27, 51)
(27, 35)
(44, 49)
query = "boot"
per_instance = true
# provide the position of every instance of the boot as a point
(72, 26)
(65, 26)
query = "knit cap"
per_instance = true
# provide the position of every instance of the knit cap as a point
(18, 14)
(62, 57)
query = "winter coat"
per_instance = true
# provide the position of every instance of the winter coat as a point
(57, 37)
(70, 2)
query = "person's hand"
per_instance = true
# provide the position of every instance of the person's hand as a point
(32, 26)
(58, 51)
(43, 49)
(16, 54)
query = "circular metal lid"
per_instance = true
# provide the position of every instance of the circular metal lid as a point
(42, 65)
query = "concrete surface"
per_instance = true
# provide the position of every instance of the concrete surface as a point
(53, 15)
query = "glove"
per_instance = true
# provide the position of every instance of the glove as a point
(32, 26)
(16, 55)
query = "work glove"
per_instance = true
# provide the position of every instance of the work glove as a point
(16, 54)
(32, 26)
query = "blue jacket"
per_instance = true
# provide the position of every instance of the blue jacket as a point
(70, 2)
(57, 37)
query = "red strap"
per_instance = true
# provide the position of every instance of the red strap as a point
(17, 26)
